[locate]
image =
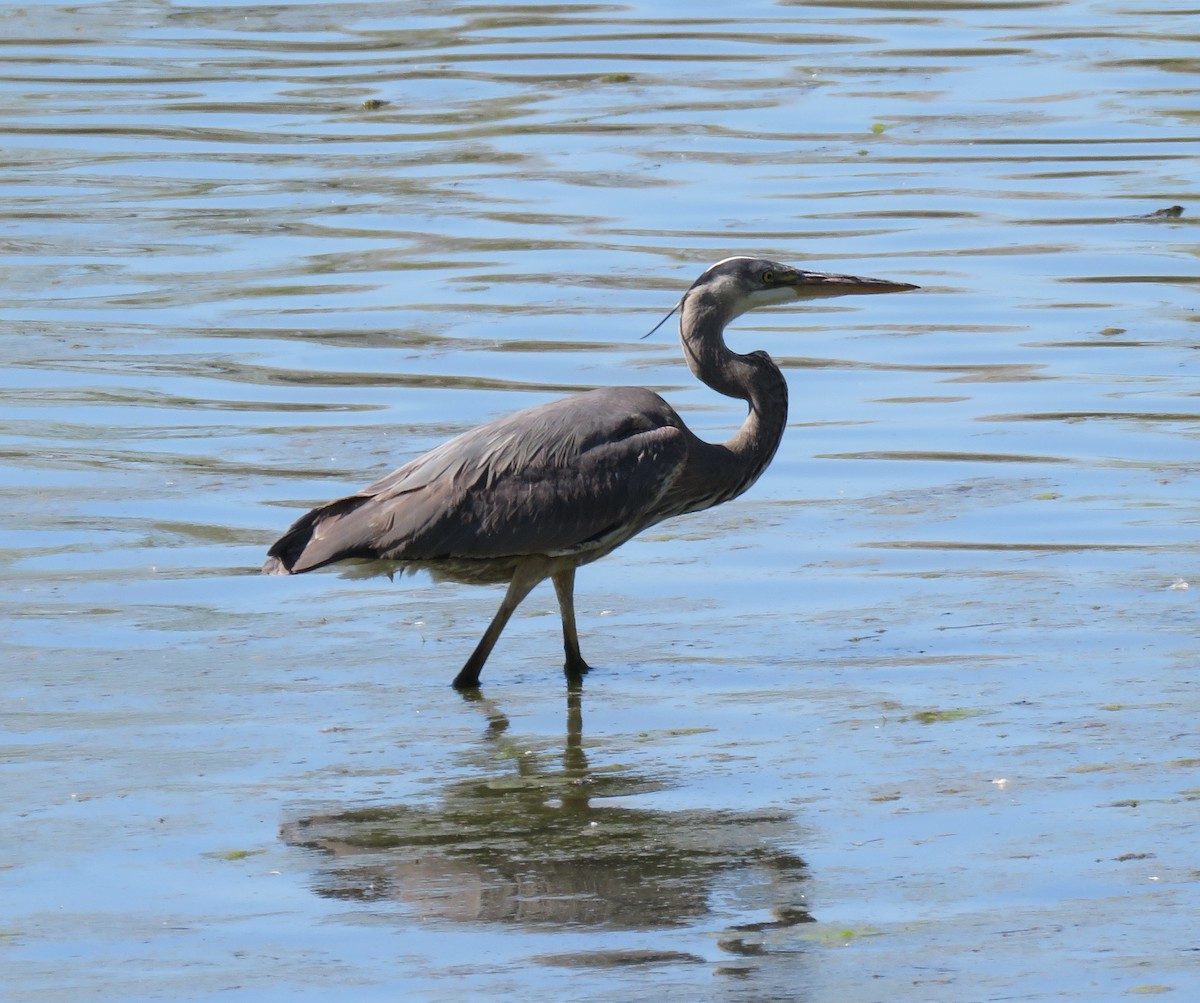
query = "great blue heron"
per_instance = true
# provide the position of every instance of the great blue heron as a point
(543, 491)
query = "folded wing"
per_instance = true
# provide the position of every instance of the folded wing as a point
(565, 477)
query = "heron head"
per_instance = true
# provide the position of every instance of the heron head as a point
(743, 283)
(735, 285)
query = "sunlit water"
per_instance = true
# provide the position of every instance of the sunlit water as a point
(914, 719)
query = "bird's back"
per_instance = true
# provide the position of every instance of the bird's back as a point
(578, 474)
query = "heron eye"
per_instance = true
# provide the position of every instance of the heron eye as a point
(768, 277)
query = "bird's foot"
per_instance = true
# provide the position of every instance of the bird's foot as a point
(576, 668)
(468, 679)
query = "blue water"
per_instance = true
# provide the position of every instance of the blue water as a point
(914, 719)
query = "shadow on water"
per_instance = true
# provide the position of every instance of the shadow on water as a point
(554, 842)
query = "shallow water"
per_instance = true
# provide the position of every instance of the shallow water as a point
(914, 719)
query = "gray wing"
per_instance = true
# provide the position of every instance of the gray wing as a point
(556, 479)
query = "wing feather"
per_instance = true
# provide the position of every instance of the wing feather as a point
(556, 479)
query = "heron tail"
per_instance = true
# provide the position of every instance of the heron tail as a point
(274, 566)
(304, 547)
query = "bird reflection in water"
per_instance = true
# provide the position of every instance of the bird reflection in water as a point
(548, 843)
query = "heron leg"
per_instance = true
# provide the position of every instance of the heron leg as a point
(524, 578)
(564, 588)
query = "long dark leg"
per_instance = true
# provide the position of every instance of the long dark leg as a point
(523, 581)
(564, 588)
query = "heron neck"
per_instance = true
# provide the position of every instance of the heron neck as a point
(736, 463)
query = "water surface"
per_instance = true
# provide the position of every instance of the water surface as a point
(914, 719)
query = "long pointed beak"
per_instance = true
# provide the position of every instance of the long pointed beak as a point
(814, 285)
